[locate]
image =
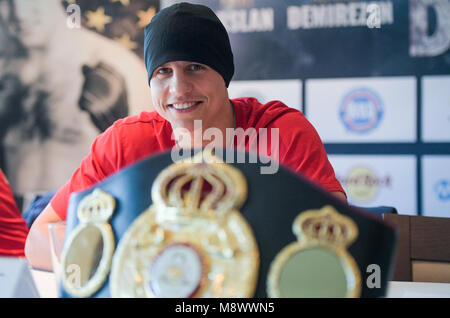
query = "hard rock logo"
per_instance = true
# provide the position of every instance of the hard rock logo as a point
(363, 185)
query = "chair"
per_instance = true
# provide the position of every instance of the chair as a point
(423, 248)
(379, 210)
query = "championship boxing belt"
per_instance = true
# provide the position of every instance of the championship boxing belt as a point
(200, 227)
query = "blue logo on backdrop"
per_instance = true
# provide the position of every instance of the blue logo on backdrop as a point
(361, 110)
(442, 189)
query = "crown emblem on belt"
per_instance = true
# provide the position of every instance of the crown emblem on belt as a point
(318, 264)
(80, 255)
(192, 241)
(96, 208)
(326, 227)
(203, 187)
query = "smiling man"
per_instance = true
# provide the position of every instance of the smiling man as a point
(190, 64)
(187, 91)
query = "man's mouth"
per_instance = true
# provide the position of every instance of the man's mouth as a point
(184, 106)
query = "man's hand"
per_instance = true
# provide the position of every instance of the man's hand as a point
(104, 95)
(37, 246)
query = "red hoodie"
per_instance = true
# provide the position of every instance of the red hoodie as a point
(13, 228)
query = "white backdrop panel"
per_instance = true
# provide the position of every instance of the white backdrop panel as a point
(436, 185)
(358, 110)
(374, 180)
(287, 91)
(436, 108)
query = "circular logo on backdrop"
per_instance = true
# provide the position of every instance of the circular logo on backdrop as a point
(361, 110)
(442, 189)
(363, 185)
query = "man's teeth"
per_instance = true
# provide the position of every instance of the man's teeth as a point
(183, 106)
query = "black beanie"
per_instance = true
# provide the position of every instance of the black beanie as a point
(188, 32)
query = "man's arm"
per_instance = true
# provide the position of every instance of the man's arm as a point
(340, 195)
(37, 246)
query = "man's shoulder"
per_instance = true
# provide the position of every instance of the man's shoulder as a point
(273, 113)
(125, 138)
(143, 118)
(133, 128)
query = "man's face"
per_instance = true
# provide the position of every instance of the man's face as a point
(186, 91)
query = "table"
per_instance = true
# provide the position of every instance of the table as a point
(418, 290)
(46, 284)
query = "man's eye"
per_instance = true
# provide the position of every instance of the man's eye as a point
(195, 67)
(163, 70)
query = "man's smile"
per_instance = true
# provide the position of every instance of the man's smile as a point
(184, 107)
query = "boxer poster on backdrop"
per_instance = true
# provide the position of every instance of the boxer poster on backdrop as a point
(68, 70)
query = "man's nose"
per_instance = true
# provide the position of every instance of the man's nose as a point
(180, 84)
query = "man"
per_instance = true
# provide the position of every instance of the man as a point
(189, 66)
(13, 229)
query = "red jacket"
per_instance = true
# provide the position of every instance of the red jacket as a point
(136, 137)
(13, 228)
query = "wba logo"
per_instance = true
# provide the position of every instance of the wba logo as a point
(361, 110)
